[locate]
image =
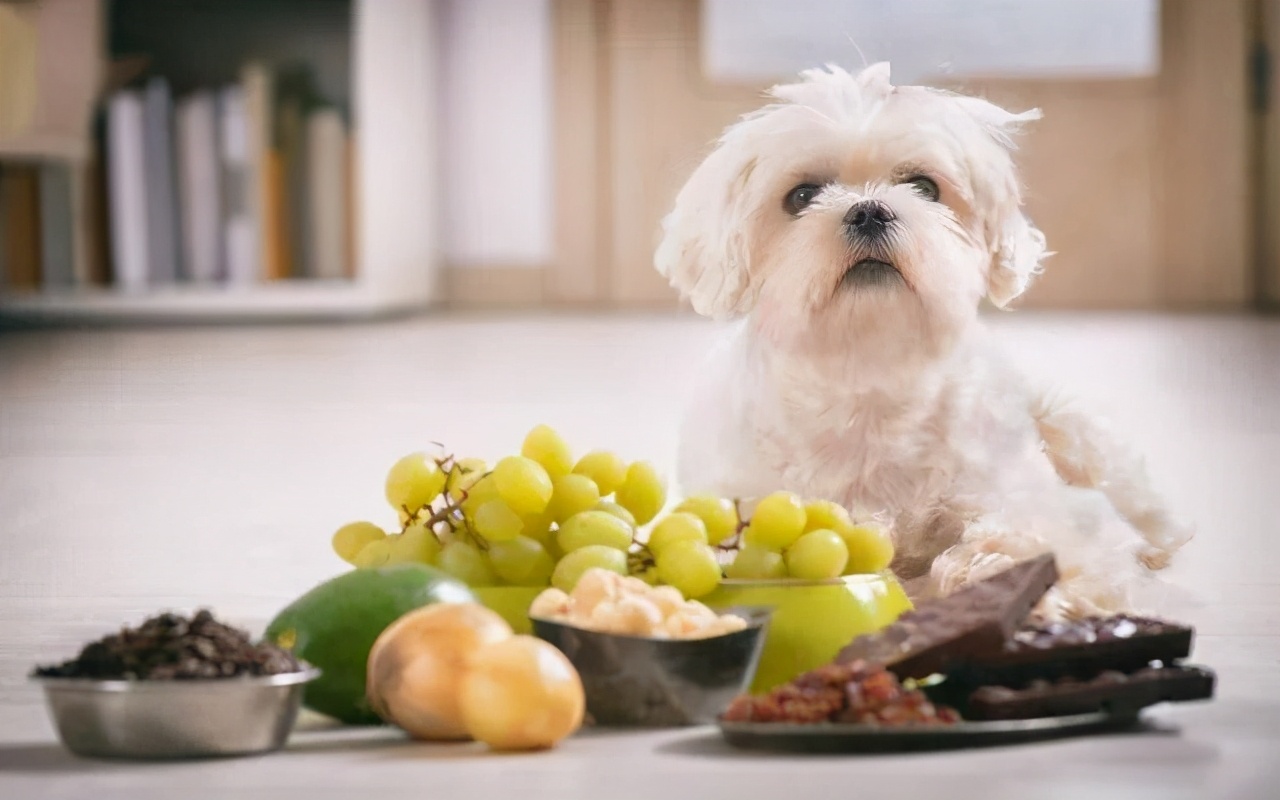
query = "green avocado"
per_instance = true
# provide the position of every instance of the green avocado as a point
(333, 627)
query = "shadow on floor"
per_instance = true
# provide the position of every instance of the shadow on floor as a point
(53, 758)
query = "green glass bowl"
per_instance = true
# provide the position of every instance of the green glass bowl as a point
(511, 602)
(812, 620)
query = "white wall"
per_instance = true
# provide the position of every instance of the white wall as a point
(496, 195)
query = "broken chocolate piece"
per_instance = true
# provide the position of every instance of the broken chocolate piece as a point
(974, 621)
(1080, 649)
(1111, 690)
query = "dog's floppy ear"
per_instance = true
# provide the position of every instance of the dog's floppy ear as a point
(704, 253)
(1018, 247)
(1016, 260)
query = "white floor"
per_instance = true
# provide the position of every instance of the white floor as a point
(169, 468)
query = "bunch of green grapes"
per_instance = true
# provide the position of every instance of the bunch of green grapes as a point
(535, 519)
(543, 518)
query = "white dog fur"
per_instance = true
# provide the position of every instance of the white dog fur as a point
(883, 391)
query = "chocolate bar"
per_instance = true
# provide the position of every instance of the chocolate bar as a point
(1111, 690)
(1078, 649)
(953, 630)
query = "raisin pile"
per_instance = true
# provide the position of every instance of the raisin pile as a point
(855, 692)
(173, 647)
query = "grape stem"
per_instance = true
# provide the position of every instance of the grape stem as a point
(443, 514)
(734, 542)
(640, 559)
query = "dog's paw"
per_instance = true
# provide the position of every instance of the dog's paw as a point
(1163, 533)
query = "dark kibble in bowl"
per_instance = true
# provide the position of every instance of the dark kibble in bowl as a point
(173, 647)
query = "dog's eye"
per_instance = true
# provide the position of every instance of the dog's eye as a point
(926, 186)
(800, 197)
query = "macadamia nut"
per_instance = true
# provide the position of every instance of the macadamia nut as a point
(610, 603)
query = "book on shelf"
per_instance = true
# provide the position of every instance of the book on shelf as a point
(328, 198)
(256, 84)
(127, 182)
(95, 220)
(20, 225)
(57, 226)
(290, 149)
(163, 248)
(200, 190)
(241, 253)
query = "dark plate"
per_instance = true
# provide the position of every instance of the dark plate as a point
(851, 738)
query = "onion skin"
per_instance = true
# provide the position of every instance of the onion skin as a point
(521, 693)
(417, 664)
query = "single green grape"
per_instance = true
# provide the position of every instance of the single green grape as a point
(690, 567)
(351, 538)
(607, 470)
(523, 483)
(610, 507)
(777, 521)
(467, 563)
(719, 514)
(572, 567)
(413, 482)
(572, 494)
(756, 564)
(820, 514)
(545, 446)
(416, 544)
(870, 548)
(679, 526)
(594, 528)
(521, 562)
(643, 492)
(817, 555)
(375, 553)
(496, 522)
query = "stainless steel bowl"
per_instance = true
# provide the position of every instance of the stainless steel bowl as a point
(175, 718)
(643, 682)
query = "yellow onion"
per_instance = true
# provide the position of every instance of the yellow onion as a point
(417, 664)
(521, 693)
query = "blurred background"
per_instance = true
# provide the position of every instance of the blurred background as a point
(455, 204)
(234, 159)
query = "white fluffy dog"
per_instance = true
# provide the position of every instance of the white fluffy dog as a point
(852, 228)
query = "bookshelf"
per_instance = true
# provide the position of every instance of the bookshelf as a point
(388, 61)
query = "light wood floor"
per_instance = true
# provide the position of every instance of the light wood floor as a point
(169, 468)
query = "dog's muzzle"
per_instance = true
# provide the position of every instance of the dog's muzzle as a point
(866, 226)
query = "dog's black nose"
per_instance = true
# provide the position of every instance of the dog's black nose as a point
(869, 217)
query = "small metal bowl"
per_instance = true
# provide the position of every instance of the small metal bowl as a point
(165, 719)
(643, 682)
